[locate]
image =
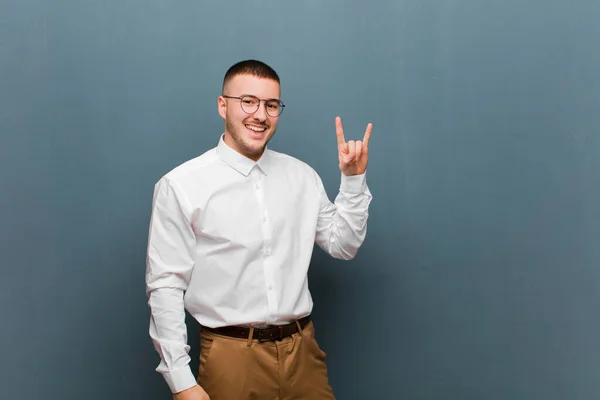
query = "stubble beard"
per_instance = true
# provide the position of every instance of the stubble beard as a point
(239, 140)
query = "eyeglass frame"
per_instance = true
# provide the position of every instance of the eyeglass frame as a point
(281, 105)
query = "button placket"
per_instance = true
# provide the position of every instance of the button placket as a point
(259, 187)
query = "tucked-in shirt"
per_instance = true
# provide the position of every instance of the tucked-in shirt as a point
(231, 240)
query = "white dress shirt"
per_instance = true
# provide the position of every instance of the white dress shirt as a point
(231, 240)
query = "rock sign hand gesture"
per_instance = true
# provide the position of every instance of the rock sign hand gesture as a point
(353, 155)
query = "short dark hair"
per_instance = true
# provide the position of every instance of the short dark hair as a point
(250, 67)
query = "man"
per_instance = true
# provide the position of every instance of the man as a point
(231, 238)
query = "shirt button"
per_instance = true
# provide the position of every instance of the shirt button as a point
(257, 186)
(265, 219)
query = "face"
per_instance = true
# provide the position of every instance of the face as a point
(248, 134)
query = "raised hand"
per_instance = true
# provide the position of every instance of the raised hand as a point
(353, 155)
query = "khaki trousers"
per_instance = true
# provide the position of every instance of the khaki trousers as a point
(240, 369)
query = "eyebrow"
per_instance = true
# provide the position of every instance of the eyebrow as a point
(248, 94)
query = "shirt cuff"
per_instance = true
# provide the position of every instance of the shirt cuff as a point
(354, 184)
(180, 379)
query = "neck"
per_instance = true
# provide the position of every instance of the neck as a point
(228, 139)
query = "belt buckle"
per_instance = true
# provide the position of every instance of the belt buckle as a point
(260, 336)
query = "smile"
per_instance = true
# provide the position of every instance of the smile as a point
(256, 128)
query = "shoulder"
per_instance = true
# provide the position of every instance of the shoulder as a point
(190, 170)
(295, 171)
(282, 160)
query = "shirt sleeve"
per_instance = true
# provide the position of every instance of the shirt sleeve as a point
(342, 225)
(169, 263)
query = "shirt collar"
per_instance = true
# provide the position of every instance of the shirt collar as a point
(241, 163)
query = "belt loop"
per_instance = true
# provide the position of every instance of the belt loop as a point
(250, 335)
(299, 327)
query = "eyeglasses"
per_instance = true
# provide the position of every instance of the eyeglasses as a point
(251, 104)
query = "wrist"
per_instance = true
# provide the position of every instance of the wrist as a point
(353, 183)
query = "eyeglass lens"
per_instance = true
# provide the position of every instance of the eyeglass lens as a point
(250, 105)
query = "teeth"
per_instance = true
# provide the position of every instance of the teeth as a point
(255, 128)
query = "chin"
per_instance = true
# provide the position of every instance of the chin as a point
(256, 149)
(258, 142)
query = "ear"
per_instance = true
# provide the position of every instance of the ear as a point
(221, 106)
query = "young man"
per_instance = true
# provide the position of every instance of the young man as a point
(231, 238)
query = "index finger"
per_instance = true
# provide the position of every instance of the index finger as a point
(339, 131)
(368, 134)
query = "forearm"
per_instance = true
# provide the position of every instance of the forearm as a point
(169, 336)
(342, 226)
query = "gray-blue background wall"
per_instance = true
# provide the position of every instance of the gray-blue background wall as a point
(480, 275)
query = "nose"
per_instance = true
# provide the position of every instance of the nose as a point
(261, 113)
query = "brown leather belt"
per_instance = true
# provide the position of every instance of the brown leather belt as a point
(275, 332)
